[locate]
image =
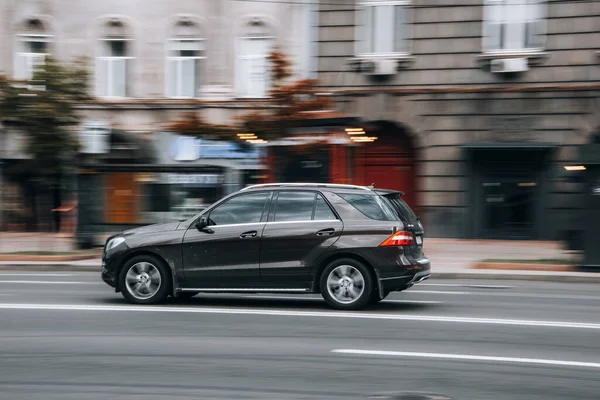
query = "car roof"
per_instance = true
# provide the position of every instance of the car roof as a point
(333, 187)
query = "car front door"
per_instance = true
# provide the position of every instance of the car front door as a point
(301, 226)
(225, 254)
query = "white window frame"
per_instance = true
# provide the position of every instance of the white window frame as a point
(109, 70)
(29, 57)
(238, 68)
(364, 31)
(179, 76)
(490, 19)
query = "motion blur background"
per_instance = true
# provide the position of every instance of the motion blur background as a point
(479, 110)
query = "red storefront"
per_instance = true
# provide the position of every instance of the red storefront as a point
(327, 149)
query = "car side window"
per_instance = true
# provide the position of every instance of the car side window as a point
(243, 209)
(294, 206)
(322, 210)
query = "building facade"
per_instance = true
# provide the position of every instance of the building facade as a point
(151, 61)
(478, 105)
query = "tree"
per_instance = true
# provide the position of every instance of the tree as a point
(44, 110)
(288, 103)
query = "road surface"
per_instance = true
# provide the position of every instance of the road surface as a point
(66, 335)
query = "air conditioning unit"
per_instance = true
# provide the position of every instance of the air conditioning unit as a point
(379, 67)
(509, 65)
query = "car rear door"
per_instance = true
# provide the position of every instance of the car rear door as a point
(300, 227)
(410, 220)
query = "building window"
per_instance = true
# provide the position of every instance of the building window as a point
(113, 65)
(184, 67)
(514, 25)
(253, 66)
(31, 55)
(384, 28)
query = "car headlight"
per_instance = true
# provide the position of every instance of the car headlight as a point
(112, 243)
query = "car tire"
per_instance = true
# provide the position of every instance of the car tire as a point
(346, 284)
(145, 280)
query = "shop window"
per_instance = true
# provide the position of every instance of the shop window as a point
(384, 28)
(514, 25)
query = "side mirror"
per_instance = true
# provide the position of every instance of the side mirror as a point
(201, 224)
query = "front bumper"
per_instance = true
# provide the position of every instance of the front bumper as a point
(418, 273)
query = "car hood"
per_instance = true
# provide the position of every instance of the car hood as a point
(170, 226)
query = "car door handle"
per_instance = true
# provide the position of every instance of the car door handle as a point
(323, 232)
(249, 234)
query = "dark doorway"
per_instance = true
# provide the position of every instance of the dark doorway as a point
(508, 192)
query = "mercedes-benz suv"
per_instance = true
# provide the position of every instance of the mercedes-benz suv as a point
(352, 244)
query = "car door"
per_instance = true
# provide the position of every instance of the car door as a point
(226, 253)
(300, 227)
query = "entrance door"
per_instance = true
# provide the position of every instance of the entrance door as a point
(389, 164)
(121, 198)
(509, 208)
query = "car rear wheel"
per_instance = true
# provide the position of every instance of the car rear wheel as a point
(346, 284)
(145, 280)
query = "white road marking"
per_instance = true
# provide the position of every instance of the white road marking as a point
(294, 313)
(321, 299)
(34, 274)
(438, 292)
(49, 282)
(468, 357)
(509, 294)
(466, 285)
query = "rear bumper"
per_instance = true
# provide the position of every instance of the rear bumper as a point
(420, 272)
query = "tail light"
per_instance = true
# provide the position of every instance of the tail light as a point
(401, 238)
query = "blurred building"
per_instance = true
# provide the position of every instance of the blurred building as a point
(477, 105)
(151, 61)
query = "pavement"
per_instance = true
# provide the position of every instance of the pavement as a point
(66, 335)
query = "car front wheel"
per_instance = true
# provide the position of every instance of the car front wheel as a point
(145, 280)
(346, 284)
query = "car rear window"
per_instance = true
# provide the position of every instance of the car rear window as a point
(371, 205)
(399, 205)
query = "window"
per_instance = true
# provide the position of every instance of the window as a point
(31, 55)
(301, 206)
(323, 211)
(243, 209)
(514, 25)
(184, 67)
(399, 205)
(384, 28)
(253, 67)
(372, 206)
(294, 206)
(112, 68)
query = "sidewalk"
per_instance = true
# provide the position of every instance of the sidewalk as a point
(450, 258)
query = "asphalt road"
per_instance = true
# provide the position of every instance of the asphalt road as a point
(69, 336)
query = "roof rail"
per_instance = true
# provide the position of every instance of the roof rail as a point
(330, 185)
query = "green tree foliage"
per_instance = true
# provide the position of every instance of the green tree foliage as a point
(44, 109)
